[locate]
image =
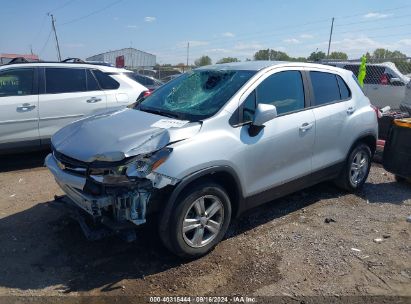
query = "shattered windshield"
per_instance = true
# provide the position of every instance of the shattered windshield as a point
(196, 95)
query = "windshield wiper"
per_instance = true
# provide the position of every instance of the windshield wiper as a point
(159, 112)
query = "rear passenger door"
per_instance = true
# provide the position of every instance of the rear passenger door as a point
(68, 95)
(332, 106)
(18, 108)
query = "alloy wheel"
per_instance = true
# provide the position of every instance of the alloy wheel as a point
(203, 221)
(359, 168)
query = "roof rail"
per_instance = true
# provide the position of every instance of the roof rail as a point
(73, 60)
(18, 60)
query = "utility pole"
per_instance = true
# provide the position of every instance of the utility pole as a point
(188, 52)
(331, 35)
(55, 36)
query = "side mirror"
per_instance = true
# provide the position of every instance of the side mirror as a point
(263, 113)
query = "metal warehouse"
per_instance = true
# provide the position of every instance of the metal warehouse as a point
(133, 58)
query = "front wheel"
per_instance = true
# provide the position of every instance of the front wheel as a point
(356, 169)
(199, 220)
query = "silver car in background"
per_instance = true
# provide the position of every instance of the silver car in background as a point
(214, 142)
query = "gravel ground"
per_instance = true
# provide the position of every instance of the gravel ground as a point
(285, 247)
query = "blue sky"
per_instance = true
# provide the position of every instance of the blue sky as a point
(217, 28)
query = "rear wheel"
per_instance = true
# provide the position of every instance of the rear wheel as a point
(356, 169)
(199, 221)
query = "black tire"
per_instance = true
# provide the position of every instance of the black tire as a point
(345, 180)
(175, 239)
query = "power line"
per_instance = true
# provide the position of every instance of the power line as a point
(92, 13)
(40, 30)
(374, 20)
(45, 44)
(62, 6)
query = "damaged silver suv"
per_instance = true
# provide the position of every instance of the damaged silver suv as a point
(212, 143)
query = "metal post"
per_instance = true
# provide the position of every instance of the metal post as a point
(331, 34)
(55, 36)
(188, 52)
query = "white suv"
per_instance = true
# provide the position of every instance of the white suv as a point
(37, 99)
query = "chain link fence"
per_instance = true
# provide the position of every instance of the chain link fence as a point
(163, 73)
(387, 81)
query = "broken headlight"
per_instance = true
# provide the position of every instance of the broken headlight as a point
(138, 167)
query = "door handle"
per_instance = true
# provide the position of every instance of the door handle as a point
(350, 110)
(306, 126)
(93, 100)
(25, 107)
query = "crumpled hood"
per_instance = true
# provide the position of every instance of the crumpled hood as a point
(115, 135)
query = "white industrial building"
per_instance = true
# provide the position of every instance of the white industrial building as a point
(133, 58)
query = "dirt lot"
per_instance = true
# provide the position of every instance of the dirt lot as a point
(282, 248)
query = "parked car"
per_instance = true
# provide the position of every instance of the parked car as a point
(214, 142)
(170, 77)
(149, 82)
(384, 84)
(405, 106)
(37, 99)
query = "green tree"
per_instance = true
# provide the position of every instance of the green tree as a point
(316, 56)
(228, 60)
(269, 54)
(387, 54)
(203, 60)
(338, 55)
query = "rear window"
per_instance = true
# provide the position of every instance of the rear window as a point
(62, 80)
(106, 82)
(325, 88)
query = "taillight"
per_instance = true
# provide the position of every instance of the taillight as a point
(377, 111)
(147, 93)
(144, 94)
(384, 79)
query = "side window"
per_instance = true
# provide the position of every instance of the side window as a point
(106, 82)
(374, 74)
(325, 88)
(249, 107)
(63, 80)
(344, 90)
(284, 90)
(92, 84)
(16, 82)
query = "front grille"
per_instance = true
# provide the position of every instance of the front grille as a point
(70, 165)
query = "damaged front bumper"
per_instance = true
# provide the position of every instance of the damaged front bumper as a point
(116, 205)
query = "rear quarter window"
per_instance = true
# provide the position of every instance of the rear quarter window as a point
(106, 81)
(325, 88)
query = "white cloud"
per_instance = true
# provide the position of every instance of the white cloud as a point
(406, 42)
(228, 34)
(375, 15)
(132, 26)
(292, 41)
(150, 19)
(306, 36)
(217, 50)
(248, 46)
